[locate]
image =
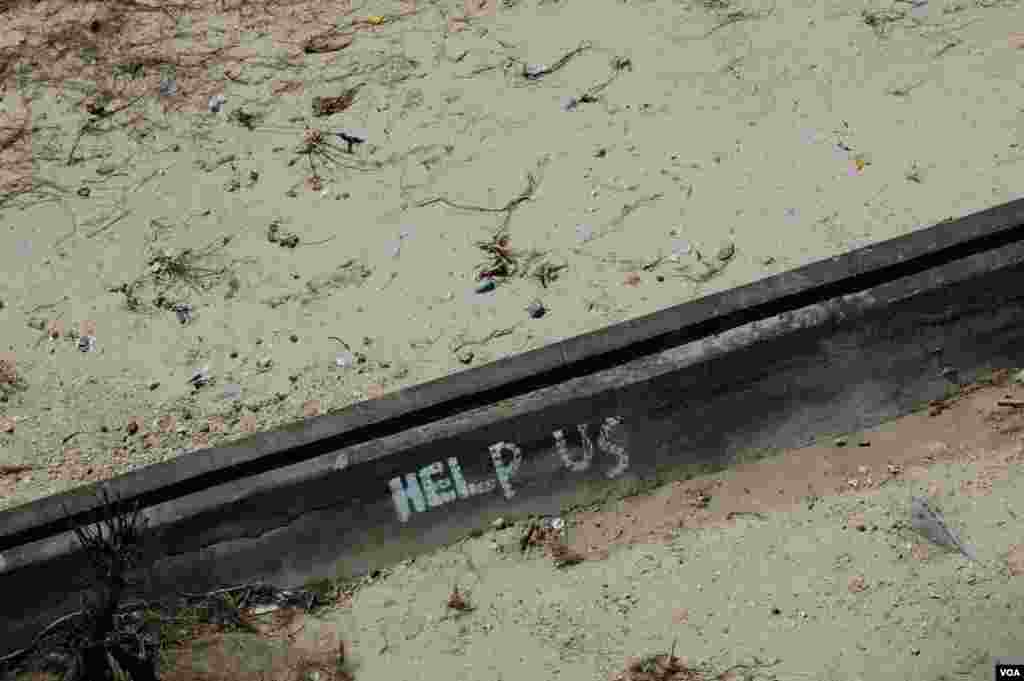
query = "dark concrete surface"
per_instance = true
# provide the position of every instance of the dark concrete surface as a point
(762, 382)
(530, 371)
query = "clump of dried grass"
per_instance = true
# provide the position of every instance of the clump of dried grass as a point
(668, 667)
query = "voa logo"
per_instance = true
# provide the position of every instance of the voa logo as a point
(1009, 674)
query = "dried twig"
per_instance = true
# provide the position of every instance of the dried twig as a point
(507, 209)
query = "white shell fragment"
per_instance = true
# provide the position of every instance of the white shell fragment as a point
(200, 377)
(217, 102)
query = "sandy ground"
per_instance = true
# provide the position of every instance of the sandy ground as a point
(799, 566)
(604, 159)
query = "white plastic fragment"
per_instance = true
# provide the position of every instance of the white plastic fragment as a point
(232, 391)
(184, 312)
(552, 523)
(200, 377)
(168, 87)
(216, 103)
(680, 249)
(534, 70)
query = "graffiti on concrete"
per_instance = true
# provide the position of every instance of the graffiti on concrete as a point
(603, 442)
(430, 487)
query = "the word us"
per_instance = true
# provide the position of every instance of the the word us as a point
(431, 486)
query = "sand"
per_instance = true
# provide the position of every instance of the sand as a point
(800, 566)
(709, 145)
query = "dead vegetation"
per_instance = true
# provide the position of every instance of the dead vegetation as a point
(174, 274)
(668, 667)
(176, 56)
(144, 640)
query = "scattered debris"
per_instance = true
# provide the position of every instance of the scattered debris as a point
(668, 667)
(352, 136)
(458, 602)
(133, 425)
(283, 239)
(168, 87)
(536, 309)
(54, 329)
(329, 41)
(200, 377)
(662, 667)
(546, 273)
(216, 103)
(328, 106)
(459, 342)
(880, 19)
(184, 312)
(532, 183)
(537, 71)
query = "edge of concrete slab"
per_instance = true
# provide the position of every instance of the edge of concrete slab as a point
(828, 348)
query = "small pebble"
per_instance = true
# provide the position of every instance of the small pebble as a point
(216, 103)
(465, 356)
(840, 442)
(87, 343)
(498, 523)
(485, 286)
(536, 309)
(345, 359)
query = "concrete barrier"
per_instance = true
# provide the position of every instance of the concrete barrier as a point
(831, 347)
